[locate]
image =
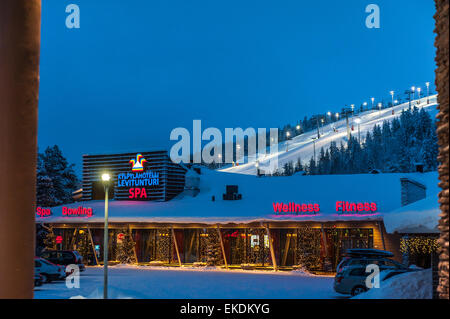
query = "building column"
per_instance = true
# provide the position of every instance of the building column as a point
(19, 81)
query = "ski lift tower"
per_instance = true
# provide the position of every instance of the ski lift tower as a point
(346, 112)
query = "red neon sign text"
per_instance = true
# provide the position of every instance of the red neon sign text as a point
(75, 212)
(43, 212)
(347, 207)
(135, 192)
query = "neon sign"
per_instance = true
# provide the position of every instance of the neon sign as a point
(138, 164)
(137, 179)
(77, 212)
(355, 208)
(295, 208)
(59, 239)
(43, 212)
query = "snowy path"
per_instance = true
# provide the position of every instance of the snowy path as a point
(147, 282)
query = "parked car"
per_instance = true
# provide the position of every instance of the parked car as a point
(351, 272)
(37, 279)
(64, 258)
(48, 270)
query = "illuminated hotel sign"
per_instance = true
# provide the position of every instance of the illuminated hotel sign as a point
(137, 179)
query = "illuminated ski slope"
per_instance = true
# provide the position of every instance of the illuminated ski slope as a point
(303, 146)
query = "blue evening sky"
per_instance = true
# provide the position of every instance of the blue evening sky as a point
(137, 69)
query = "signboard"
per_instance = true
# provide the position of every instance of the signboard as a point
(77, 212)
(43, 212)
(138, 179)
(59, 239)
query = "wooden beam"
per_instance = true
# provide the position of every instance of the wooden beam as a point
(286, 249)
(272, 252)
(134, 246)
(222, 247)
(72, 242)
(380, 229)
(176, 246)
(93, 246)
(19, 91)
(324, 237)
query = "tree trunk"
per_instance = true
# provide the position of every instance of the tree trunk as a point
(442, 87)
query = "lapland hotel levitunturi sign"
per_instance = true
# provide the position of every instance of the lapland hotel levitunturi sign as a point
(137, 176)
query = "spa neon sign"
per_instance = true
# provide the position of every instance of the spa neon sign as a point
(43, 212)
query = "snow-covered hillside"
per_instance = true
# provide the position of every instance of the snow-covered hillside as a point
(303, 145)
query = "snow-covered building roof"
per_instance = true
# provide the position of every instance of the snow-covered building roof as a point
(259, 194)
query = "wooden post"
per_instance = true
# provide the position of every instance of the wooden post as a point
(272, 252)
(324, 240)
(72, 242)
(134, 246)
(286, 249)
(176, 246)
(19, 91)
(222, 247)
(93, 246)
(380, 229)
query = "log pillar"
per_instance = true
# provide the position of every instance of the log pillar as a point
(19, 81)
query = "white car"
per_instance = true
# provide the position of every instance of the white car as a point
(49, 271)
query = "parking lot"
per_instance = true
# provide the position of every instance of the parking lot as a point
(160, 282)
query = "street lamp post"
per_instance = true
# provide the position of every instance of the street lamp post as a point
(428, 92)
(106, 180)
(373, 100)
(413, 89)
(322, 120)
(287, 140)
(418, 93)
(379, 108)
(392, 96)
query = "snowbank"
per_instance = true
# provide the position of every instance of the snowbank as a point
(412, 285)
(419, 217)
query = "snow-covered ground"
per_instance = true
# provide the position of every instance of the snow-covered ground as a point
(303, 146)
(413, 285)
(172, 283)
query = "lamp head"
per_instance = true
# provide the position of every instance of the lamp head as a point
(106, 178)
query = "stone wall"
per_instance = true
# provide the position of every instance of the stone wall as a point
(442, 87)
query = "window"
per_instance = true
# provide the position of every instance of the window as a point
(358, 272)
